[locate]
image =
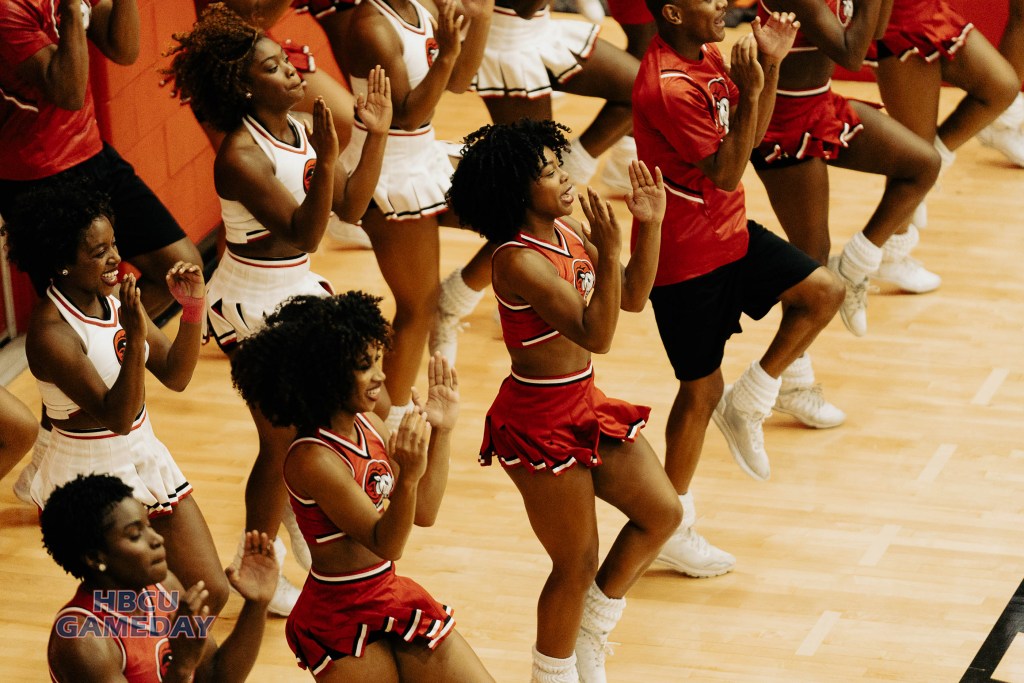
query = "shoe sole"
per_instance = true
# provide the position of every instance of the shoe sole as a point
(807, 423)
(695, 574)
(737, 455)
(912, 290)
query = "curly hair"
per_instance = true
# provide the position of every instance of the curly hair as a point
(210, 64)
(46, 225)
(298, 370)
(490, 189)
(77, 517)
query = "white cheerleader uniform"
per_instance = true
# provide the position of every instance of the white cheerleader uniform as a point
(139, 459)
(524, 57)
(416, 172)
(244, 290)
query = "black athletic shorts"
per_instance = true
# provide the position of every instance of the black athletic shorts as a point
(696, 317)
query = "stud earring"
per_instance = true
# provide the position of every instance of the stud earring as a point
(64, 272)
(248, 95)
(102, 567)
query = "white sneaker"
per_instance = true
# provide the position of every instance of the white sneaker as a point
(1008, 141)
(284, 598)
(854, 310)
(744, 432)
(23, 487)
(591, 649)
(347, 235)
(688, 552)
(908, 274)
(593, 10)
(808, 405)
(615, 174)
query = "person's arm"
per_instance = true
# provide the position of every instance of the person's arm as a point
(61, 71)
(442, 411)
(379, 44)
(726, 165)
(174, 362)
(527, 275)
(242, 172)
(774, 40)
(352, 193)
(325, 478)
(646, 201)
(846, 46)
(884, 12)
(83, 659)
(478, 15)
(55, 354)
(255, 579)
(114, 28)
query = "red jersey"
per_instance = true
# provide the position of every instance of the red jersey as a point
(520, 325)
(680, 116)
(37, 138)
(145, 658)
(365, 457)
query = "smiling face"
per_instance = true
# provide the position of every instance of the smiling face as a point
(551, 192)
(134, 553)
(367, 381)
(273, 81)
(95, 266)
(702, 21)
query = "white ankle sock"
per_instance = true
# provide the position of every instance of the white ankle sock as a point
(755, 391)
(946, 155)
(601, 613)
(395, 415)
(457, 297)
(860, 258)
(689, 510)
(800, 373)
(578, 163)
(552, 669)
(898, 247)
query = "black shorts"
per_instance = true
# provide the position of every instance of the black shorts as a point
(696, 317)
(142, 224)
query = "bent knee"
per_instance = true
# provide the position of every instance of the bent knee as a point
(822, 294)
(578, 566)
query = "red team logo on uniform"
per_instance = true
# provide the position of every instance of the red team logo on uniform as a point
(432, 50)
(120, 345)
(377, 481)
(720, 94)
(307, 174)
(583, 277)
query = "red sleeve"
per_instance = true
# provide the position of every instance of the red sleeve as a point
(21, 32)
(692, 129)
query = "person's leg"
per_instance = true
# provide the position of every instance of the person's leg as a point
(18, 431)
(461, 291)
(452, 660)
(407, 253)
(191, 554)
(377, 665)
(809, 306)
(563, 516)
(1004, 134)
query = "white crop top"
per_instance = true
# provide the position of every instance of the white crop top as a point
(293, 166)
(104, 340)
(419, 47)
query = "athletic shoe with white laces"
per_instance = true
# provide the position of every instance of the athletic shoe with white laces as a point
(854, 310)
(591, 649)
(808, 405)
(1008, 141)
(744, 432)
(688, 552)
(347, 235)
(908, 274)
(284, 598)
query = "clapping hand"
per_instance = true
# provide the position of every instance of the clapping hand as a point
(255, 578)
(776, 37)
(374, 110)
(442, 406)
(646, 201)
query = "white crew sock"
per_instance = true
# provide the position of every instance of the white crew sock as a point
(553, 670)
(601, 613)
(755, 391)
(395, 415)
(458, 298)
(860, 258)
(578, 163)
(689, 510)
(898, 247)
(800, 373)
(946, 155)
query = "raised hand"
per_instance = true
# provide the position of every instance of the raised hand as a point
(744, 69)
(133, 316)
(604, 229)
(646, 201)
(776, 37)
(407, 446)
(185, 280)
(374, 110)
(255, 578)
(442, 406)
(448, 29)
(322, 136)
